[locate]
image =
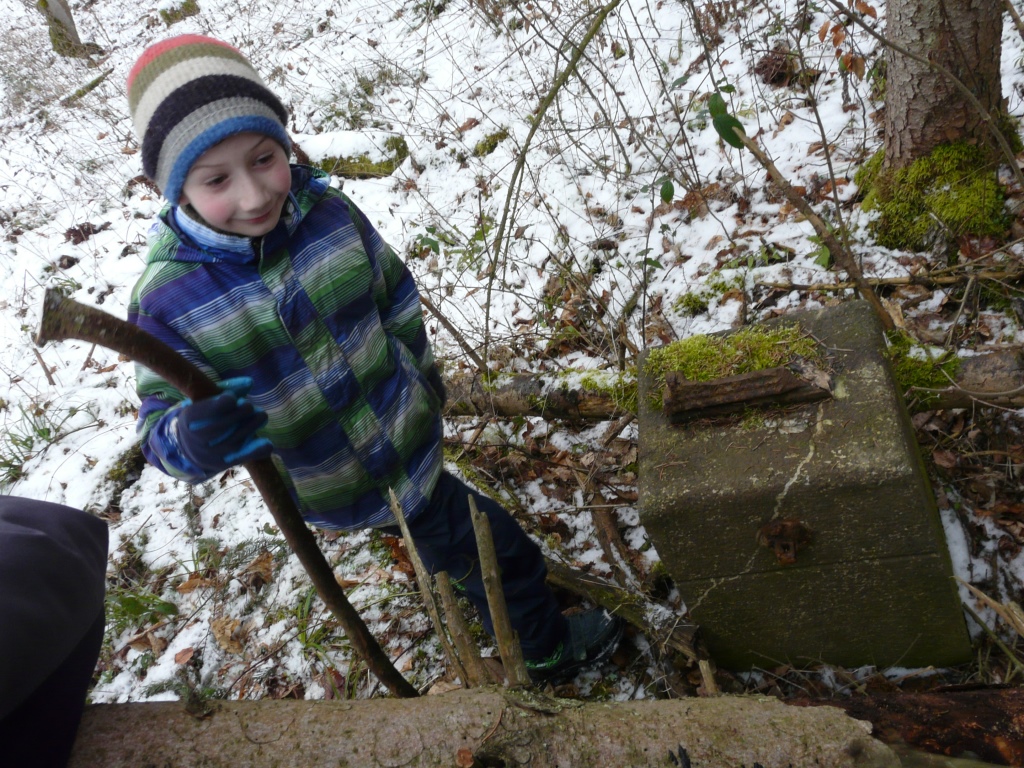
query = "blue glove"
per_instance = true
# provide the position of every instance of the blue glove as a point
(219, 432)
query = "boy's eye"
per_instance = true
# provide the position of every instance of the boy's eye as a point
(215, 181)
(265, 159)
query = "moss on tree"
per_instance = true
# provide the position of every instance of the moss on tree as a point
(955, 188)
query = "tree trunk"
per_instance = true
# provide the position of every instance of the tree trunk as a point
(477, 728)
(923, 107)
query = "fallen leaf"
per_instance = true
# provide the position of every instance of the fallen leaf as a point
(258, 572)
(226, 633)
(184, 656)
(194, 582)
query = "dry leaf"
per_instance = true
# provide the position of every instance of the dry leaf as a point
(194, 582)
(464, 758)
(823, 31)
(258, 572)
(226, 633)
(184, 656)
(443, 686)
(867, 10)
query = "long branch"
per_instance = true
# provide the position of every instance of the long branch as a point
(66, 319)
(843, 257)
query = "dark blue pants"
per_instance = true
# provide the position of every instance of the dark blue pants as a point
(445, 540)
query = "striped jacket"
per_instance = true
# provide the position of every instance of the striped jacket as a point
(325, 319)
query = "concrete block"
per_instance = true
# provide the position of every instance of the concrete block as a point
(873, 586)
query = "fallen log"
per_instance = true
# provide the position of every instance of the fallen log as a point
(479, 727)
(993, 378)
(986, 723)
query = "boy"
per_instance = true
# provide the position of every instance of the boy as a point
(280, 288)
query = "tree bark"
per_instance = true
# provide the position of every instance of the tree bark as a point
(481, 727)
(924, 108)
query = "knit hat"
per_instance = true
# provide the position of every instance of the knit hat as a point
(187, 94)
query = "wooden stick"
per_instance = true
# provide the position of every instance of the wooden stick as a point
(469, 653)
(680, 636)
(66, 319)
(424, 579)
(504, 635)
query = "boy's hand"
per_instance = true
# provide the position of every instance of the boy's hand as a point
(219, 432)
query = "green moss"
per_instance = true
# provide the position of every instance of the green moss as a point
(705, 358)
(490, 143)
(620, 387)
(183, 11)
(914, 366)
(361, 167)
(956, 186)
(693, 303)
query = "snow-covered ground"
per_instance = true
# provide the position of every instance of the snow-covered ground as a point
(586, 234)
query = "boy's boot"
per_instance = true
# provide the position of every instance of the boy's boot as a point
(592, 637)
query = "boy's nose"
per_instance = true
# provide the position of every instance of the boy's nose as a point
(254, 195)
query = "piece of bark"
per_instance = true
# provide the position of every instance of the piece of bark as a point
(987, 723)
(685, 400)
(489, 725)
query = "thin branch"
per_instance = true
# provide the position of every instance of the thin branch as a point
(424, 579)
(504, 635)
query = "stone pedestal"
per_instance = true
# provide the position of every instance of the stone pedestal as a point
(873, 586)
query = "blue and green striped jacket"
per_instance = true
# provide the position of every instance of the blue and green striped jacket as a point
(325, 319)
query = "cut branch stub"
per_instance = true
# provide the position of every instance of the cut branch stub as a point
(66, 319)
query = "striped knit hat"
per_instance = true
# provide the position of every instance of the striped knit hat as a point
(187, 94)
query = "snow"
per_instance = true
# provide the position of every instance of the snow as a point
(352, 76)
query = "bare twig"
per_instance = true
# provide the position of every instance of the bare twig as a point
(504, 635)
(424, 579)
(66, 319)
(476, 672)
(459, 338)
(839, 252)
(46, 369)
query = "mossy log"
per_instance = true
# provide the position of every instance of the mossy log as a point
(479, 727)
(993, 378)
(527, 394)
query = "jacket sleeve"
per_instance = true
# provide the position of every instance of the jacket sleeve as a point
(53, 562)
(161, 401)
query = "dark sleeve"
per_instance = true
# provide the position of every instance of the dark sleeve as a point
(53, 562)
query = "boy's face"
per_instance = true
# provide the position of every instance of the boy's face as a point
(240, 185)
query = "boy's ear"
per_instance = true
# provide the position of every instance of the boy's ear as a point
(182, 200)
